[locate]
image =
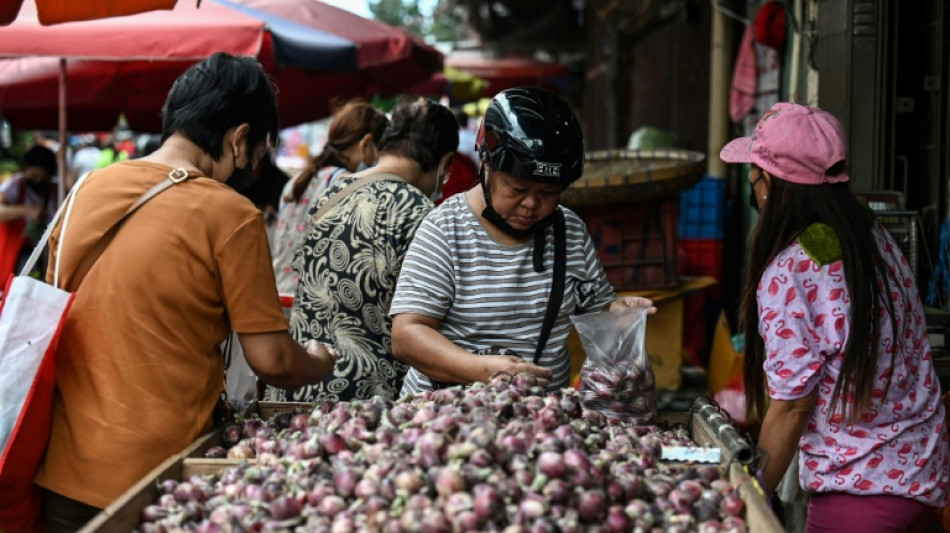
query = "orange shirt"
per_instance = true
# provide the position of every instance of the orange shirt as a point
(138, 369)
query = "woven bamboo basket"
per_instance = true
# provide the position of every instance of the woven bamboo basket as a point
(625, 176)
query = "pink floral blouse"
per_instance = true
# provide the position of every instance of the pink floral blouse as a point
(291, 227)
(899, 445)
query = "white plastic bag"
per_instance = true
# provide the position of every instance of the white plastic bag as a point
(240, 382)
(617, 377)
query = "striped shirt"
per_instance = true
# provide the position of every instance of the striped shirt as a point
(488, 296)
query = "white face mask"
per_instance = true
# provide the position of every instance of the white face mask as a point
(436, 195)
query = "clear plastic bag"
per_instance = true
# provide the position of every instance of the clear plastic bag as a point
(240, 382)
(617, 377)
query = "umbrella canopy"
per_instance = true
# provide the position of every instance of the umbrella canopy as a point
(56, 11)
(314, 52)
(305, 34)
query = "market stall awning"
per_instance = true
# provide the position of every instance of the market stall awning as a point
(458, 85)
(502, 73)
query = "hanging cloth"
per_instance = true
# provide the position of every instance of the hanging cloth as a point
(744, 76)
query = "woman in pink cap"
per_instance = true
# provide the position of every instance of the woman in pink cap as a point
(835, 330)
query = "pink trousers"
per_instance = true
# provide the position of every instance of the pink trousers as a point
(847, 513)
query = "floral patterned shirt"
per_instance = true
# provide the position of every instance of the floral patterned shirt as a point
(348, 264)
(899, 445)
(291, 226)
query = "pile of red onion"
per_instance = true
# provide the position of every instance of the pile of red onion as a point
(498, 457)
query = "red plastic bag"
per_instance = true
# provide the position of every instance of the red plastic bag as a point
(732, 399)
(31, 320)
(11, 241)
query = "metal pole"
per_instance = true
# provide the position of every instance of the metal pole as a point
(794, 70)
(61, 155)
(720, 79)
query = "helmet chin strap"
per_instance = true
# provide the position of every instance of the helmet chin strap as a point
(536, 229)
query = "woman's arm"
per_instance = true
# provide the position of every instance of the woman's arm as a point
(418, 343)
(10, 212)
(782, 428)
(14, 212)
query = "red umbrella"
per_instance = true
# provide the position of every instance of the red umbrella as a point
(56, 11)
(127, 64)
(304, 34)
(293, 39)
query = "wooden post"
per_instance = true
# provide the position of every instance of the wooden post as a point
(720, 80)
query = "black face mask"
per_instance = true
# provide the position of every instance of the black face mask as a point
(241, 178)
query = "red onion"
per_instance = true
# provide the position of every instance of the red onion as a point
(732, 505)
(617, 521)
(449, 481)
(592, 505)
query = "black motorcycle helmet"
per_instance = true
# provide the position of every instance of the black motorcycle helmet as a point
(532, 134)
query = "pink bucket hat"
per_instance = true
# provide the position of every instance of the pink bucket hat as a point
(795, 143)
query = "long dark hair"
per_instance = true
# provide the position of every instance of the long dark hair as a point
(350, 124)
(790, 209)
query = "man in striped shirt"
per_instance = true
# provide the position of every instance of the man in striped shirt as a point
(477, 278)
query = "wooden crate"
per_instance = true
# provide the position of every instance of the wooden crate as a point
(124, 514)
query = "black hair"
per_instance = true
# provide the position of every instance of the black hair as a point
(421, 130)
(41, 157)
(790, 209)
(216, 95)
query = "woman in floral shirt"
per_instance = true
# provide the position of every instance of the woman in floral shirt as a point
(836, 337)
(351, 147)
(350, 258)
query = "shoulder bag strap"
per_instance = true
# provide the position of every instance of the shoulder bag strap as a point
(557, 288)
(175, 177)
(346, 191)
